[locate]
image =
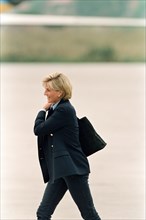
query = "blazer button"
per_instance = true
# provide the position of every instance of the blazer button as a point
(40, 148)
(51, 134)
(41, 158)
(52, 145)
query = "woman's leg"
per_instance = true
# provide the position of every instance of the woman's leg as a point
(53, 194)
(79, 189)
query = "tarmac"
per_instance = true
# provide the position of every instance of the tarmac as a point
(112, 96)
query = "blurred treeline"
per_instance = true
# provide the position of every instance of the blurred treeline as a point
(104, 8)
(72, 44)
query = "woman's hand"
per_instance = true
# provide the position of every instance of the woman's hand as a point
(47, 106)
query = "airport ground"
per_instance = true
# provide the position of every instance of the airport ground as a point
(112, 97)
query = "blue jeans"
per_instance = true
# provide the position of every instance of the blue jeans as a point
(80, 192)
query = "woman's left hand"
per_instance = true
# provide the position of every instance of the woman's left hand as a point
(47, 106)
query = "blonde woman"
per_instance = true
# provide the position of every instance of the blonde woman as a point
(64, 165)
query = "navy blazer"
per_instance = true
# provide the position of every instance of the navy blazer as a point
(59, 149)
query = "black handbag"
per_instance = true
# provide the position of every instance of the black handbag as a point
(90, 141)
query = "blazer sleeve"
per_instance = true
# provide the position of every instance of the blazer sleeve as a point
(54, 122)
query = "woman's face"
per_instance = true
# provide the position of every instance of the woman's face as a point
(52, 95)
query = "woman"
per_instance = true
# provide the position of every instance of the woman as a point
(63, 163)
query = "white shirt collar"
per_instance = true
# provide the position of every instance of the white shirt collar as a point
(55, 105)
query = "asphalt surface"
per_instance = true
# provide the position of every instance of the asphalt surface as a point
(112, 97)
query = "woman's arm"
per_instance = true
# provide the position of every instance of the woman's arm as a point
(56, 121)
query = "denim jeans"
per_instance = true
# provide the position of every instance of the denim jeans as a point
(80, 192)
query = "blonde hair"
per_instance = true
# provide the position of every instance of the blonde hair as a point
(59, 82)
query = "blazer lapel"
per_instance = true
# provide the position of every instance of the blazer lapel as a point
(50, 112)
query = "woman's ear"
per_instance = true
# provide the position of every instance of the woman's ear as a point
(60, 94)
